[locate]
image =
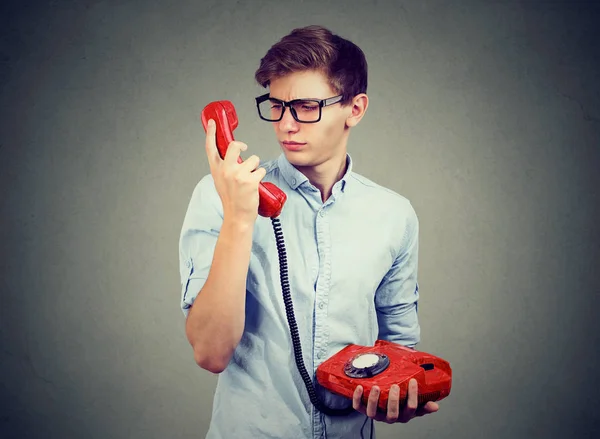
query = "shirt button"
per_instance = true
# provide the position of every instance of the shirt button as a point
(188, 264)
(293, 181)
(321, 305)
(319, 354)
(322, 213)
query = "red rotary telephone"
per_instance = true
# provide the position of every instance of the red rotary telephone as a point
(383, 365)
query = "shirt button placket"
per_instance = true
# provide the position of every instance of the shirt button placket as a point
(320, 223)
(319, 348)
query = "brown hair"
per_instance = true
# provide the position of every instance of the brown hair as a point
(317, 48)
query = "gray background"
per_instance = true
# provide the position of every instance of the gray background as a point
(486, 115)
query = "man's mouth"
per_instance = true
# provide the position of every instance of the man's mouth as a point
(292, 146)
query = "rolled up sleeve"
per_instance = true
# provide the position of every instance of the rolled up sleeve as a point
(397, 296)
(199, 233)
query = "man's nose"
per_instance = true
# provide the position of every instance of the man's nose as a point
(287, 122)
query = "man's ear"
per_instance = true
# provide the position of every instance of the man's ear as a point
(358, 106)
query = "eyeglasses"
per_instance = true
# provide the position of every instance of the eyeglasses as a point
(303, 110)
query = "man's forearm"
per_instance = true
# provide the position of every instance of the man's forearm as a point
(216, 320)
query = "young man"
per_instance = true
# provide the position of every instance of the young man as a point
(351, 250)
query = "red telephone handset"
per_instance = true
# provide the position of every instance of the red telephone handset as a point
(271, 198)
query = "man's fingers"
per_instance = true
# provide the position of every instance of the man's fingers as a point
(430, 407)
(260, 173)
(413, 393)
(211, 143)
(372, 402)
(251, 163)
(412, 401)
(393, 408)
(233, 151)
(357, 398)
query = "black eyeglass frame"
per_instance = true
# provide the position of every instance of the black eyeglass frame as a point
(322, 103)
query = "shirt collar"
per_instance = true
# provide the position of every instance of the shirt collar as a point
(295, 178)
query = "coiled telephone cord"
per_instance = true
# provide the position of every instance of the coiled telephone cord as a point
(289, 308)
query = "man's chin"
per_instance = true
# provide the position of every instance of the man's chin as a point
(297, 158)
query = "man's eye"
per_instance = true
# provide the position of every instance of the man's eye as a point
(309, 107)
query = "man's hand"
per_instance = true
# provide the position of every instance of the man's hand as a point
(236, 183)
(394, 414)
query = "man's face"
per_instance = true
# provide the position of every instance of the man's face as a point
(323, 141)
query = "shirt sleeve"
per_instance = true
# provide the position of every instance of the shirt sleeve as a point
(396, 298)
(200, 230)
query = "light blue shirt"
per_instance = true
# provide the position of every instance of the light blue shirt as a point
(352, 263)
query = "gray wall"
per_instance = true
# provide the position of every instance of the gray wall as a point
(486, 115)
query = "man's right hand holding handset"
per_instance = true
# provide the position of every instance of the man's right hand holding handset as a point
(236, 183)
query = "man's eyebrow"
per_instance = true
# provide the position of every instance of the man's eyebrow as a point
(297, 99)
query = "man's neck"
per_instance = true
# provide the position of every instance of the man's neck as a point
(326, 175)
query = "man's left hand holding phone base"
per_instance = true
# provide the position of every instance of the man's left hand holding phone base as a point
(394, 413)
